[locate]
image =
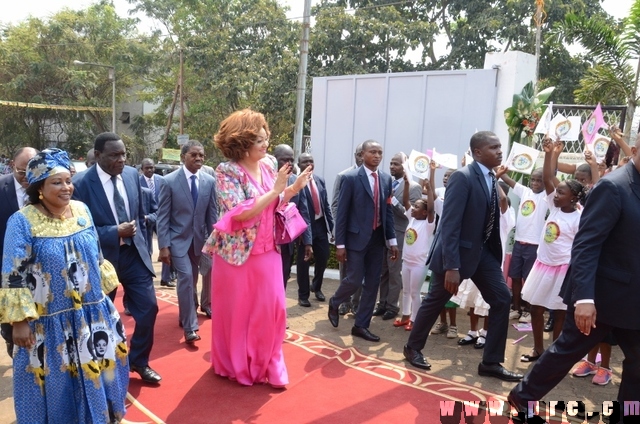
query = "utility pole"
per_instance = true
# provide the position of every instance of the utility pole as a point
(302, 80)
(539, 17)
(181, 92)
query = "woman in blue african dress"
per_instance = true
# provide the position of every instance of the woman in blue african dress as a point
(53, 293)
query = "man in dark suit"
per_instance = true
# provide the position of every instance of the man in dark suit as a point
(112, 192)
(391, 279)
(350, 304)
(363, 225)
(12, 197)
(601, 289)
(186, 216)
(284, 154)
(153, 181)
(321, 226)
(467, 245)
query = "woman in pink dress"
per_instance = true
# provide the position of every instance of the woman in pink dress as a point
(249, 311)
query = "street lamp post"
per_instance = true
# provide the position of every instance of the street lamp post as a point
(112, 77)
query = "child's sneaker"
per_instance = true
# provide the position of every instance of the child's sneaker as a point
(440, 328)
(602, 377)
(525, 318)
(452, 333)
(584, 369)
(514, 314)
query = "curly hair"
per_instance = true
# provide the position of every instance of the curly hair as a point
(577, 189)
(238, 132)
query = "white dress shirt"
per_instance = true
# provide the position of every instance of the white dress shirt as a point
(107, 185)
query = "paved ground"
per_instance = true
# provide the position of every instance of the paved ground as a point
(458, 363)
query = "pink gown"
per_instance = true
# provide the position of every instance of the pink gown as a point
(249, 309)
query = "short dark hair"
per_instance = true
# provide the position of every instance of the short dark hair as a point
(479, 139)
(584, 167)
(367, 143)
(576, 188)
(22, 149)
(188, 145)
(102, 139)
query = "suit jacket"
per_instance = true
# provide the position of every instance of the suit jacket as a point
(400, 220)
(354, 221)
(604, 261)
(88, 189)
(158, 181)
(460, 237)
(324, 201)
(179, 223)
(336, 191)
(150, 208)
(9, 203)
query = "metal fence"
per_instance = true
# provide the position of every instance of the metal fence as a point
(613, 115)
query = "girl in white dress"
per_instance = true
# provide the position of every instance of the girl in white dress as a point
(542, 289)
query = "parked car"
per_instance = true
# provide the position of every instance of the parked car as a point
(165, 168)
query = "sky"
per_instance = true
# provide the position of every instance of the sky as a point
(14, 11)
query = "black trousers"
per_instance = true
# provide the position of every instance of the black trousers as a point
(490, 281)
(320, 244)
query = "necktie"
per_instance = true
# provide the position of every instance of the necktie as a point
(376, 201)
(488, 229)
(25, 197)
(314, 197)
(194, 190)
(152, 186)
(121, 210)
(396, 183)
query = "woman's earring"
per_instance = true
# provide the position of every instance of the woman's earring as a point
(246, 153)
(40, 196)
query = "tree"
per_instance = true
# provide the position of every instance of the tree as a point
(611, 78)
(237, 54)
(36, 66)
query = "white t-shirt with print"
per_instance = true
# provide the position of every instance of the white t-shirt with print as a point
(417, 240)
(560, 229)
(531, 214)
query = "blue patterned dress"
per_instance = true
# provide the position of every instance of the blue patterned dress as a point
(77, 371)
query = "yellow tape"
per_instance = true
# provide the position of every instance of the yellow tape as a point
(58, 107)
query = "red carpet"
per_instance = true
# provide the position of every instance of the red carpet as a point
(328, 383)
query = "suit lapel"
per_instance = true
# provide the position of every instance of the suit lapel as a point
(132, 193)
(10, 188)
(364, 179)
(98, 192)
(634, 179)
(481, 181)
(182, 181)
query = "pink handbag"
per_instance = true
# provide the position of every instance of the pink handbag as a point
(289, 223)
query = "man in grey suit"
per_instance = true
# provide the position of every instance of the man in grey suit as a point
(467, 245)
(391, 279)
(186, 216)
(351, 304)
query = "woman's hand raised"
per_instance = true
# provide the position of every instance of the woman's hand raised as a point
(303, 178)
(283, 177)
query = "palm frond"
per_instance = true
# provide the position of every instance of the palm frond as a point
(605, 84)
(597, 37)
(631, 31)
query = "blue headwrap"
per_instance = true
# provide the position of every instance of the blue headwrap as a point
(47, 163)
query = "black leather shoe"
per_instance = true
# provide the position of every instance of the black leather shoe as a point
(415, 358)
(191, 337)
(304, 303)
(521, 416)
(364, 333)
(207, 311)
(479, 344)
(334, 316)
(379, 311)
(146, 374)
(498, 371)
(466, 341)
(389, 315)
(344, 308)
(320, 296)
(170, 284)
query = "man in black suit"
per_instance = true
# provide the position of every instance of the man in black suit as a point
(12, 197)
(364, 225)
(321, 226)
(113, 194)
(467, 245)
(601, 289)
(149, 179)
(284, 154)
